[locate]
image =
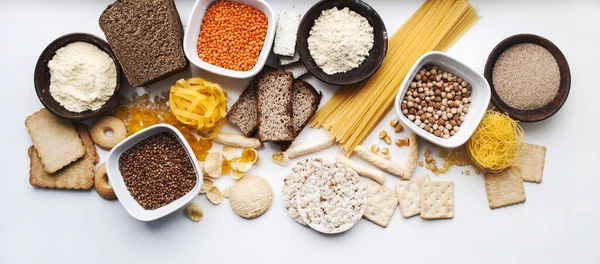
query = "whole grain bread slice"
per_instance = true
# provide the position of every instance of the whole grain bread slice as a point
(147, 38)
(305, 101)
(274, 97)
(244, 112)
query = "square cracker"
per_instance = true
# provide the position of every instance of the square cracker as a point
(504, 188)
(77, 175)
(381, 204)
(531, 162)
(409, 195)
(55, 139)
(437, 199)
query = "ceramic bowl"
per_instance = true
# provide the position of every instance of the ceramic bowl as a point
(368, 67)
(559, 100)
(192, 31)
(41, 78)
(118, 184)
(480, 98)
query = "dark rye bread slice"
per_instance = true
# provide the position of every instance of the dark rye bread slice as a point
(274, 97)
(305, 101)
(244, 112)
(147, 38)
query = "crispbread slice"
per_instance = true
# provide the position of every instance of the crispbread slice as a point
(55, 140)
(409, 195)
(243, 113)
(77, 175)
(504, 188)
(409, 198)
(531, 162)
(381, 204)
(437, 199)
(274, 95)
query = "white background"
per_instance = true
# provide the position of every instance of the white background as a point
(557, 224)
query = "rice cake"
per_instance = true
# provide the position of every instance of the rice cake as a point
(504, 188)
(292, 183)
(332, 199)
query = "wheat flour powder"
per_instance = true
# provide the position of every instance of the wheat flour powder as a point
(82, 77)
(340, 40)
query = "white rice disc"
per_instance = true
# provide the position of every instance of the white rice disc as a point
(292, 183)
(332, 199)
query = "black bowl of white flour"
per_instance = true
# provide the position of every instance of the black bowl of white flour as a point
(342, 42)
(77, 77)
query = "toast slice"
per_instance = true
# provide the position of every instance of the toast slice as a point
(274, 104)
(147, 38)
(244, 112)
(305, 102)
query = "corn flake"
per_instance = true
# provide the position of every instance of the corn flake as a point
(229, 152)
(213, 164)
(214, 195)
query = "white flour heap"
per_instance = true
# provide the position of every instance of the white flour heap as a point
(82, 77)
(340, 40)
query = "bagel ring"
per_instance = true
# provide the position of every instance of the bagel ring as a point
(101, 183)
(104, 124)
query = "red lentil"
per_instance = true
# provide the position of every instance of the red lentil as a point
(232, 35)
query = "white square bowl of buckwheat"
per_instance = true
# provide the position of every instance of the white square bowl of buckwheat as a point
(154, 172)
(442, 100)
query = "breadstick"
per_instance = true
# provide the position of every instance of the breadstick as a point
(235, 140)
(361, 170)
(378, 161)
(413, 155)
(294, 151)
(308, 147)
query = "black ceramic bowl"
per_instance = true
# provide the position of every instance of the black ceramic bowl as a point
(42, 76)
(368, 67)
(563, 90)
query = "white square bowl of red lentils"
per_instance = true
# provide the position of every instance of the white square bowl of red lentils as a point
(154, 172)
(442, 100)
(231, 38)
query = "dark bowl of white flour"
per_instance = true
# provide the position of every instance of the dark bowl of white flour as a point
(342, 42)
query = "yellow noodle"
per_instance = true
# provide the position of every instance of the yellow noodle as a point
(495, 144)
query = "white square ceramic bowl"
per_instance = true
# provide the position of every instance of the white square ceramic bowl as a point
(480, 98)
(192, 31)
(116, 179)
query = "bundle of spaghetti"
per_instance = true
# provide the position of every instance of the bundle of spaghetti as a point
(495, 144)
(354, 111)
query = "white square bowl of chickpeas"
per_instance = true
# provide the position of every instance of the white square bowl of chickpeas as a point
(442, 100)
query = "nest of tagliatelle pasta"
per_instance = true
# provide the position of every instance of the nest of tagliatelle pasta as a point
(199, 103)
(495, 144)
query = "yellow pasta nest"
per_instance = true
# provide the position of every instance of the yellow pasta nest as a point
(495, 144)
(198, 103)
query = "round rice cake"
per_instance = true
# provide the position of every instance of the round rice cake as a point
(251, 197)
(292, 183)
(332, 199)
